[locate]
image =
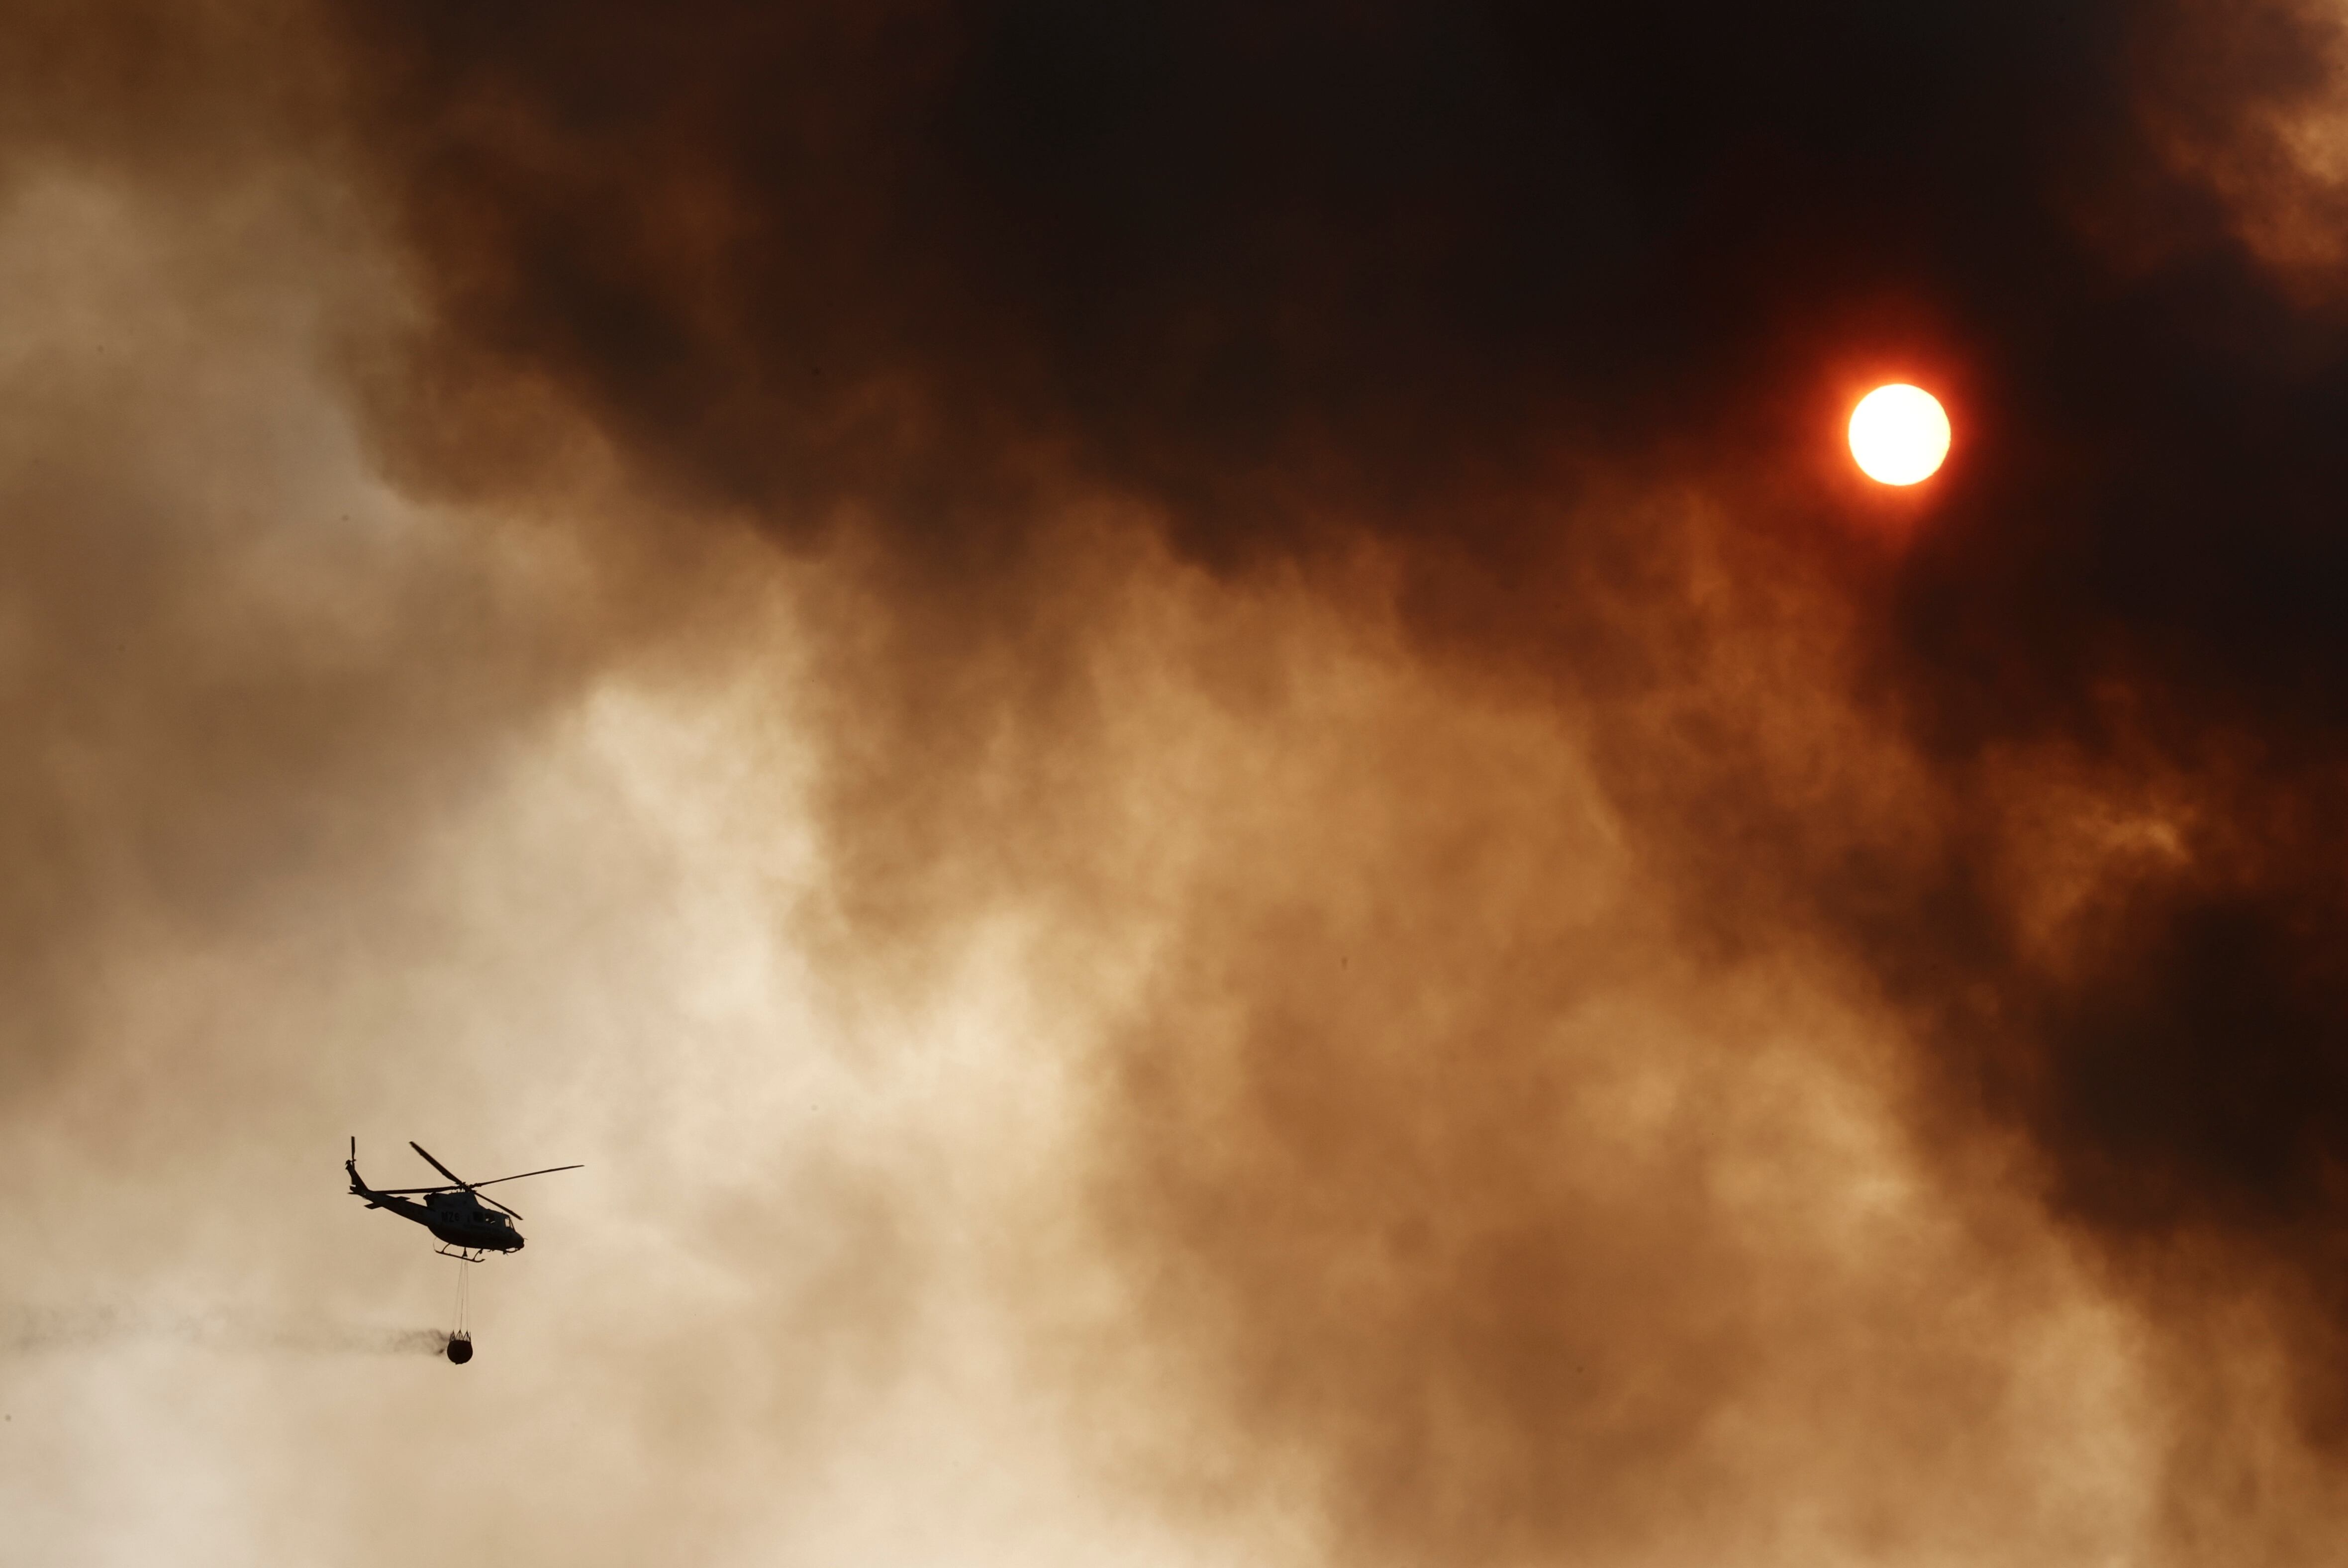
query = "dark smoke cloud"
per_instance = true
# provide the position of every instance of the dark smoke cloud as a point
(1645, 999)
(1414, 272)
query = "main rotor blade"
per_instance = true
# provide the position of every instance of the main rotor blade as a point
(404, 1192)
(549, 1170)
(437, 1165)
(493, 1203)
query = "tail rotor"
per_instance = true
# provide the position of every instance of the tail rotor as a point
(351, 1169)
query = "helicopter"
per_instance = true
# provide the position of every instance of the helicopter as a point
(469, 1227)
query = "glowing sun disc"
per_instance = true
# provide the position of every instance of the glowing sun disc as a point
(1899, 435)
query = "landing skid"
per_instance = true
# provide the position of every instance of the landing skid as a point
(466, 1254)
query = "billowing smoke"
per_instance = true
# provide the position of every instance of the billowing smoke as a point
(1178, 729)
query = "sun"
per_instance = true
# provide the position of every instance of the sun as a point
(1899, 435)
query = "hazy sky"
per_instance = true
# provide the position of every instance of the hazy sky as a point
(1174, 736)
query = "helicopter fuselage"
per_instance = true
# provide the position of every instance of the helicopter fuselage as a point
(458, 1219)
(450, 1209)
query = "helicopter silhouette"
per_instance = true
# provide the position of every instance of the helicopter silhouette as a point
(469, 1227)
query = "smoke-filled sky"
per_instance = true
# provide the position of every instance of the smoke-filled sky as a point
(1175, 737)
